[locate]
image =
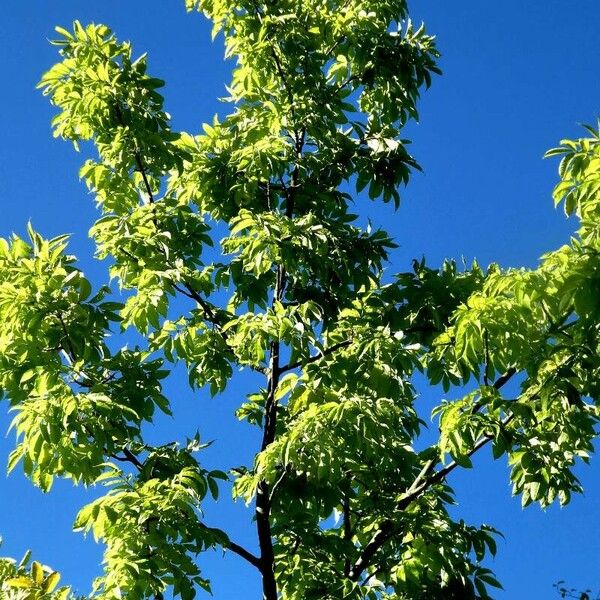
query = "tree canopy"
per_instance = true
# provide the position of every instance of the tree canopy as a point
(237, 249)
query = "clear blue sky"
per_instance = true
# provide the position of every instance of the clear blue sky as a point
(518, 76)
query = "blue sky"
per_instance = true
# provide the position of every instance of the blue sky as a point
(517, 77)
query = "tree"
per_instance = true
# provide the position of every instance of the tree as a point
(344, 505)
(564, 592)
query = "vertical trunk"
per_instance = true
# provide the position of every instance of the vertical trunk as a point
(263, 500)
(267, 558)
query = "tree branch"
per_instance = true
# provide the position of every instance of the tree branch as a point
(487, 357)
(70, 350)
(245, 554)
(132, 458)
(211, 317)
(505, 378)
(125, 458)
(142, 170)
(420, 485)
(236, 548)
(347, 527)
(325, 352)
(187, 289)
(137, 155)
(263, 499)
(389, 528)
(263, 492)
(285, 82)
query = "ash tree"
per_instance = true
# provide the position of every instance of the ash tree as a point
(344, 506)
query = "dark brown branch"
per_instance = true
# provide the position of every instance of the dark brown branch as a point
(443, 473)
(316, 357)
(347, 530)
(70, 350)
(245, 554)
(132, 458)
(137, 156)
(335, 44)
(236, 548)
(505, 378)
(206, 306)
(128, 455)
(381, 536)
(348, 81)
(187, 290)
(279, 67)
(137, 464)
(285, 190)
(498, 384)
(142, 170)
(211, 317)
(423, 481)
(263, 495)
(389, 528)
(487, 357)
(263, 492)
(191, 293)
(285, 82)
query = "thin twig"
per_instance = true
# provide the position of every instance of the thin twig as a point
(236, 548)
(322, 354)
(487, 358)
